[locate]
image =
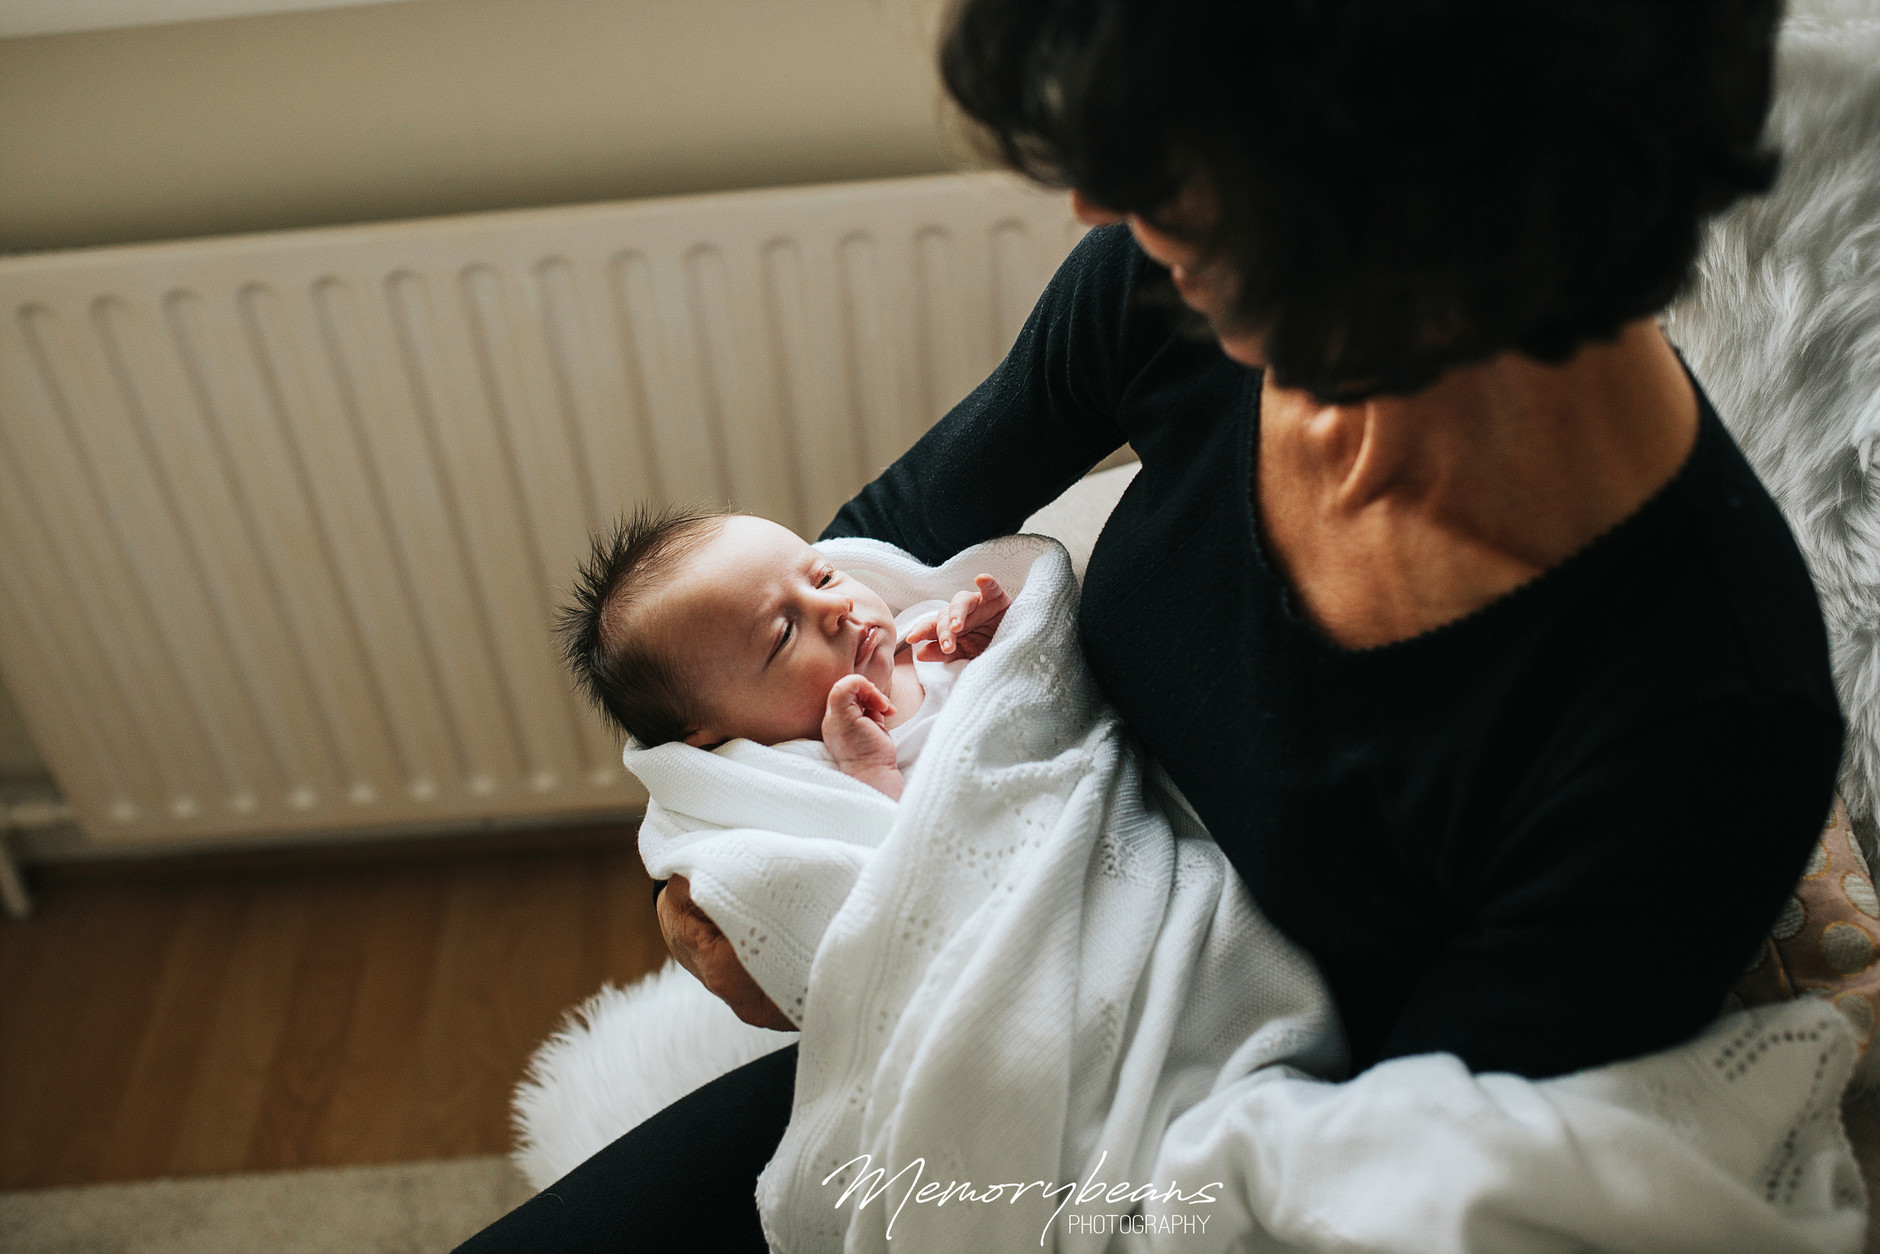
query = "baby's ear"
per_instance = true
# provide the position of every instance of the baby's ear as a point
(702, 740)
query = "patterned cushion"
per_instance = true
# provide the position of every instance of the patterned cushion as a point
(1826, 940)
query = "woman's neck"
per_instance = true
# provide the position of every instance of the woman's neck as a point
(1526, 460)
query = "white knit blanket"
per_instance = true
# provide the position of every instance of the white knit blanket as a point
(1036, 970)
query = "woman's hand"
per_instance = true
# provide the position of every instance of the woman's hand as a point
(707, 953)
(854, 730)
(964, 628)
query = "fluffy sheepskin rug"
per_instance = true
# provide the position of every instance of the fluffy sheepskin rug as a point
(620, 1056)
(1782, 325)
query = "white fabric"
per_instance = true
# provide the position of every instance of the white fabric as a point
(1733, 1142)
(1035, 968)
(936, 681)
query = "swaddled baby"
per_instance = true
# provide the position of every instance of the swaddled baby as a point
(709, 628)
(704, 627)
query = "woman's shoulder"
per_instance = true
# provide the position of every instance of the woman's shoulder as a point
(1697, 609)
(1106, 255)
(1743, 567)
(1112, 305)
(1688, 664)
(1097, 280)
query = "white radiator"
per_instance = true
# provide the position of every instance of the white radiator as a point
(283, 518)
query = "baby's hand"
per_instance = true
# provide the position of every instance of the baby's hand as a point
(963, 629)
(855, 733)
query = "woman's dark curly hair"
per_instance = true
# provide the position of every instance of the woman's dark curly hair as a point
(1403, 185)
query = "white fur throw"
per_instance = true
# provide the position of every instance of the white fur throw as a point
(1782, 326)
(620, 1056)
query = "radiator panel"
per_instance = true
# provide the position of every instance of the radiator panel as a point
(283, 518)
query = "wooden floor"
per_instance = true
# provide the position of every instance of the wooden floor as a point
(247, 1016)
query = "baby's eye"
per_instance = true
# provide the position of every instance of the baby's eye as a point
(827, 575)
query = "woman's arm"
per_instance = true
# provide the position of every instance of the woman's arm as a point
(701, 948)
(1624, 906)
(1046, 416)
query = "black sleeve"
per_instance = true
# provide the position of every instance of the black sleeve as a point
(1043, 418)
(1616, 917)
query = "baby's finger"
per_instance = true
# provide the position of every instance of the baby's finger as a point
(854, 693)
(871, 698)
(845, 692)
(957, 617)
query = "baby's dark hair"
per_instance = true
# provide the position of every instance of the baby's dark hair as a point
(601, 627)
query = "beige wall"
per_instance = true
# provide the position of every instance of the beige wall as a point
(448, 106)
(45, 17)
(19, 761)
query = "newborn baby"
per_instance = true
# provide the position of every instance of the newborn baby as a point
(708, 627)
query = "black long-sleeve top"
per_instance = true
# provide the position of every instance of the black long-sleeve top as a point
(1544, 836)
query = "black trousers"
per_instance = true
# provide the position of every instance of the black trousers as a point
(683, 1180)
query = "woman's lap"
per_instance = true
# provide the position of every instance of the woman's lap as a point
(684, 1179)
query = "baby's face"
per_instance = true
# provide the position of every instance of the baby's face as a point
(762, 627)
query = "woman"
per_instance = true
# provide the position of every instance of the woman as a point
(1442, 592)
